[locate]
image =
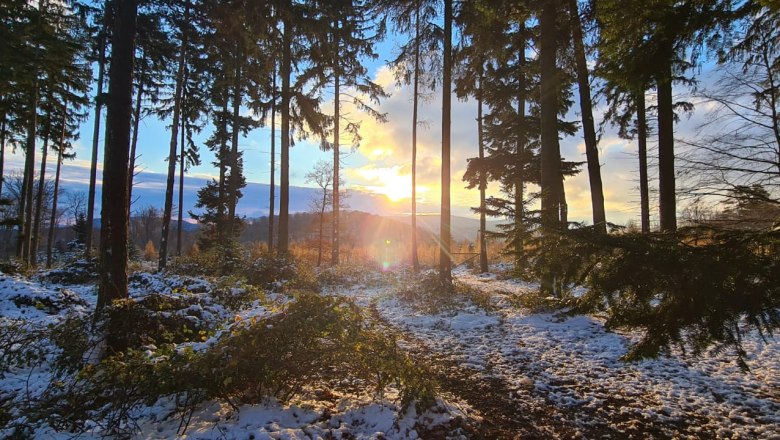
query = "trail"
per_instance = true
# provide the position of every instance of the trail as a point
(526, 375)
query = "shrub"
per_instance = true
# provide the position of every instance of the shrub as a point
(80, 271)
(692, 289)
(349, 274)
(315, 340)
(223, 260)
(428, 294)
(281, 272)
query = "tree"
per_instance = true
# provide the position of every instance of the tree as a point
(588, 126)
(114, 213)
(415, 64)
(322, 176)
(738, 145)
(348, 41)
(103, 28)
(445, 257)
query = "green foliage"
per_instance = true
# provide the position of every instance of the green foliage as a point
(427, 294)
(315, 341)
(349, 274)
(157, 319)
(693, 289)
(282, 273)
(219, 260)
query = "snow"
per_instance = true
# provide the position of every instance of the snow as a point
(569, 366)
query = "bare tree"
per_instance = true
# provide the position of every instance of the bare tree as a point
(322, 176)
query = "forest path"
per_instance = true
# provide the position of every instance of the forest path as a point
(541, 375)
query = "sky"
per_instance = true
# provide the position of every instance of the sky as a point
(382, 164)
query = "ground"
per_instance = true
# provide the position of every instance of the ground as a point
(503, 372)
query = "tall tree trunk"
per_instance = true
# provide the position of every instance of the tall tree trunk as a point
(2, 152)
(180, 218)
(483, 261)
(322, 221)
(134, 140)
(334, 260)
(223, 163)
(445, 261)
(520, 151)
(551, 179)
(588, 128)
(641, 133)
(235, 172)
(272, 188)
(666, 191)
(53, 218)
(40, 192)
(415, 98)
(113, 232)
(29, 177)
(96, 130)
(168, 208)
(284, 176)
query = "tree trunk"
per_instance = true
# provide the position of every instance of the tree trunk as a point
(550, 149)
(334, 260)
(53, 219)
(284, 190)
(222, 165)
(445, 261)
(2, 152)
(520, 228)
(96, 130)
(415, 98)
(235, 172)
(40, 193)
(134, 140)
(28, 181)
(180, 217)
(551, 179)
(483, 261)
(113, 233)
(322, 221)
(168, 208)
(588, 128)
(666, 191)
(272, 189)
(641, 133)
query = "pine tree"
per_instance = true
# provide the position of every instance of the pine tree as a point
(114, 230)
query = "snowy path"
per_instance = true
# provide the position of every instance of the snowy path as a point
(538, 375)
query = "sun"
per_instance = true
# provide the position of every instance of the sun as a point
(389, 182)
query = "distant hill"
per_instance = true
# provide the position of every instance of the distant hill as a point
(463, 228)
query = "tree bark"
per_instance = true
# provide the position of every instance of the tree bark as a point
(666, 180)
(551, 178)
(483, 261)
(588, 128)
(168, 208)
(113, 233)
(520, 151)
(235, 171)
(96, 131)
(644, 192)
(40, 192)
(415, 99)
(445, 261)
(334, 260)
(272, 188)
(2, 152)
(53, 219)
(180, 217)
(134, 140)
(284, 190)
(28, 181)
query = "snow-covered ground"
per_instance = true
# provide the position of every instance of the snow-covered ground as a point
(572, 366)
(555, 376)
